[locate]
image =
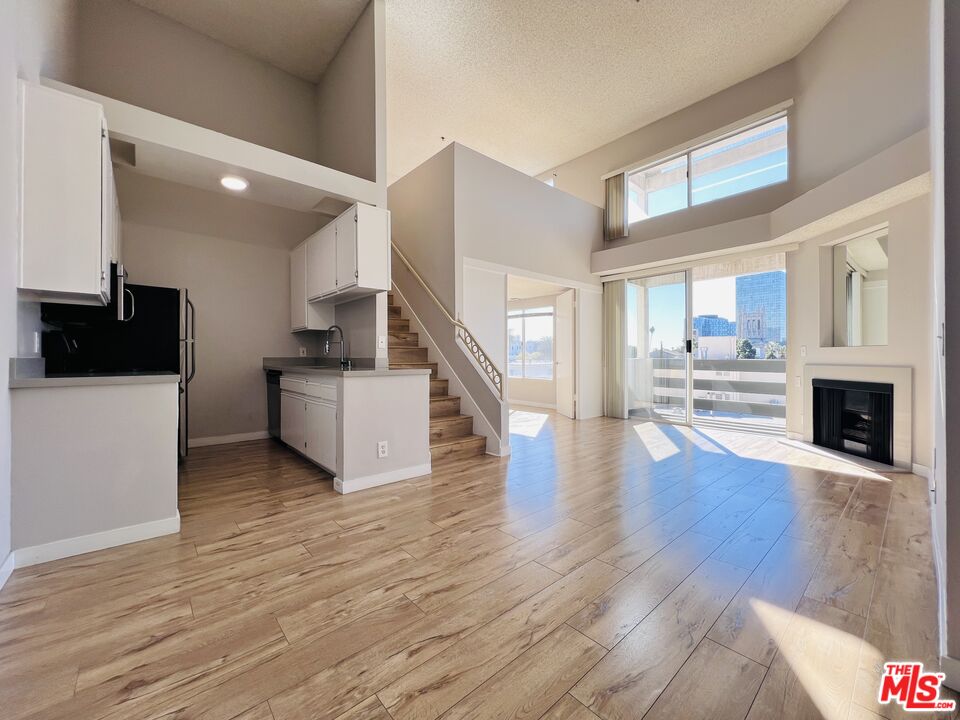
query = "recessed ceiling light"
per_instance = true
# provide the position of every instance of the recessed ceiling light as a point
(232, 182)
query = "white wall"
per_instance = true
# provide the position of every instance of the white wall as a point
(8, 250)
(232, 255)
(909, 315)
(347, 103)
(485, 310)
(507, 218)
(135, 55)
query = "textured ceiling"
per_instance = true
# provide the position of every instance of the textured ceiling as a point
(299, 36)
(534, 83)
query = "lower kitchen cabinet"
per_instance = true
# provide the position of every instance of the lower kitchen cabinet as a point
(321, 433)
(293, 420)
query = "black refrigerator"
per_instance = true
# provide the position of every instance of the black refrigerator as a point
(157, 334)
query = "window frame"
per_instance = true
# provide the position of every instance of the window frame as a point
(687, 152)
(522, 314)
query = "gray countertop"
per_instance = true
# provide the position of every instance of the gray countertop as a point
(93, 379)
(310, 366)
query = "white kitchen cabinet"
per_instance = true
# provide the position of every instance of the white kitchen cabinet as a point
(321, 433)
(293, 418)
(349, 257)
(347, 272)
(322, 263)
(305, 315)
(69, 216)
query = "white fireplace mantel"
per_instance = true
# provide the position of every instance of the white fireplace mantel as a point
(902, 380)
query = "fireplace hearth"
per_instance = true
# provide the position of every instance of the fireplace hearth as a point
(854, 417)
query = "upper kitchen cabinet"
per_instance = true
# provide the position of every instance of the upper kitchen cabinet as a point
(350, 256)
(305, 315)
(69, 216)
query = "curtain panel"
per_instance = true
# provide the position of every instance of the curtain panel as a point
(615, 225)
(614, 348)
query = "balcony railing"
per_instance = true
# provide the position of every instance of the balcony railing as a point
(731, 389)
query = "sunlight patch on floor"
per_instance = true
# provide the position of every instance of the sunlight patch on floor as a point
(655, 441)
(699, 440)
(823, 659)
(526, 423)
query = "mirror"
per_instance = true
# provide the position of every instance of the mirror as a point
(860, 270)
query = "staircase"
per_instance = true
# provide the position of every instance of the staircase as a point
(451, 433)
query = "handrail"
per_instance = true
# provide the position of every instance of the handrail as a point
(493, 373)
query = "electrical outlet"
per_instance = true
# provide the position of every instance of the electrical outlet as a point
(381, 342)
(382, 449)
(303, 352)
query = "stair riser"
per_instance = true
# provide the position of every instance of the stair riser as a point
(462, 451)
(407, 354)
(390, 300)
(461, 427)
(447, 406)
(439, 387)
(393, 311)
(398, 325)
(404, 339)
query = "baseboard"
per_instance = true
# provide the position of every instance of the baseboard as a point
(524, 403)
(923, 471)
(950, 666)
(228, 439)
(95, 541)
(794, 436)
(504, 451)
(391, 476)
(6, 569)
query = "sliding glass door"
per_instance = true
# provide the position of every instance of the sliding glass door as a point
(657, 362)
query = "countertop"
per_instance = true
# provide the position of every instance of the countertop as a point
(127, 378)
(306, 366)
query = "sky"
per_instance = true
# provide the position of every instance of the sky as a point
(667, 317)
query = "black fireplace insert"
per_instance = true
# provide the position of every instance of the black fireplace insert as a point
(854, 417)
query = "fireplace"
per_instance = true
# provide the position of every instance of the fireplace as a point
(854, 417)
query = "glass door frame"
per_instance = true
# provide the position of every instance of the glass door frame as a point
(687, 419)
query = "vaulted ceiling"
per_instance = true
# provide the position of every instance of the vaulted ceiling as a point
(532, 83)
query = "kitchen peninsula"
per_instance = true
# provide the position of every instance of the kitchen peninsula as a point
(367, 427)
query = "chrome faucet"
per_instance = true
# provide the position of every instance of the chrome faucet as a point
(344, 363)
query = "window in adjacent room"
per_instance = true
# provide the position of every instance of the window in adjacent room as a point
(530, 343)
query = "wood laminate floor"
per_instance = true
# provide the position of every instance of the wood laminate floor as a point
(608, 569)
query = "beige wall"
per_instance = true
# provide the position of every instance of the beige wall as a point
(422, 222)
(910, 312)
(862, 85)
(132, 54)
(347, 103)
(232, 255)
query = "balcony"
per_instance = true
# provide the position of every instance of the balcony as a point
(736, 394)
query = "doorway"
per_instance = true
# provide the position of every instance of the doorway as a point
(708, 345)
(541, 345)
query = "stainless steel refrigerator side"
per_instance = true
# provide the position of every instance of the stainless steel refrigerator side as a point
(188, 368)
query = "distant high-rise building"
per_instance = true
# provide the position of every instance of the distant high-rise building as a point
(762, 307)
(713, 326)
